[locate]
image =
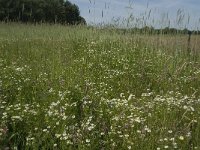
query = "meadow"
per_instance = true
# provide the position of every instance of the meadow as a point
(83, 88)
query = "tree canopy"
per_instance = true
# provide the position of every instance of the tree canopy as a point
(52, 11)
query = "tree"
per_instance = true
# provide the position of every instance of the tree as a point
(72, 13)
(52, 11)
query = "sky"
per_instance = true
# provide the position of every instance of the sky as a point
(129, 13)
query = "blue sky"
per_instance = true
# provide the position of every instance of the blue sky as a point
(160, 13)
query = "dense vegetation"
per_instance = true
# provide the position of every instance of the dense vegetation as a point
(151, 30)
(52, 11)
(83, 88)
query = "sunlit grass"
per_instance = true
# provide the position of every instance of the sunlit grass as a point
(84, 88)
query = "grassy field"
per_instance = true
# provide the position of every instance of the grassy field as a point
(82, 88)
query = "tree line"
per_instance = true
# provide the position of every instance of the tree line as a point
(151, 30)
(50, 11)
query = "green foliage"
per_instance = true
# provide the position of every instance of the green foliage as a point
(83, 88)
(52, 11)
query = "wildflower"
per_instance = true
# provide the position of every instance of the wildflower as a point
(19, 69)
(30, 139)
(44, 130)
(175, 145)
(130, 97)
(161, 140)
(91, 127)
(64, 117)
(137, 120)
(122, 95)
(114, 144)
(102, 133)
(170, 131)
(16, 117)
(138, 131)
(181, 138)
(129, 147)
(166, 146)
(119, 132)
(50, 90)
(58, 135)
(87, 140)
(147, 129)
(4, 115)
(191, 108)
(188, 134)
(126, 135)
(15, 148)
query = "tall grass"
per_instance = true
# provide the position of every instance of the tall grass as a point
(84, 88)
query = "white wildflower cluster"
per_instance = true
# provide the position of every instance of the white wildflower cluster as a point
(100, 94)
